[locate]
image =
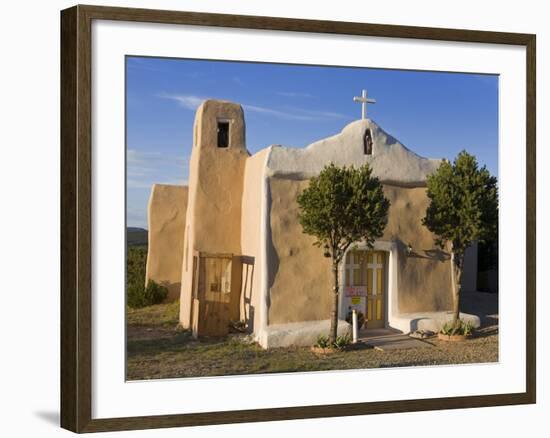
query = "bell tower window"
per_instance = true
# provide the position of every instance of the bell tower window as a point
(367, 142)
(223, 133)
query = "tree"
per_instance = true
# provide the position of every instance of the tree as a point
(463, 209)
(341, 206)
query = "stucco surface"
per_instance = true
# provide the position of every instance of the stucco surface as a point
(216, 208)
(301, 278)
(166, 213)
(392, 162)
(424, 275)
(215, 190)
(300, 286)
(252, 242)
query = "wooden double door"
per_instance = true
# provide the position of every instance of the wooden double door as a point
(365, 285)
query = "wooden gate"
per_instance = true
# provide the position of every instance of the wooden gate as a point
(216, 290)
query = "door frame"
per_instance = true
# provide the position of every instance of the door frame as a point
(390, 291)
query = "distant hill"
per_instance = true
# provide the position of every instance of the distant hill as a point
(136, 236)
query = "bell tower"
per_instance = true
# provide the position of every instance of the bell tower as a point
(216, 175)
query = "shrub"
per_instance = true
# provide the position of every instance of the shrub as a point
(136, 261)
(447, 329)
(137, 295)
(462, 328)
(322, 342)
(140, 296)
(467, 328)
(342, 342)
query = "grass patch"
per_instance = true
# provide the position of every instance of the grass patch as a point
(158, 315)
(158, 349)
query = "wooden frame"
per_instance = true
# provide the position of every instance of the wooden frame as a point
(76, 239)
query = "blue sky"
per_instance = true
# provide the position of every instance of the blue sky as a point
(434, 114)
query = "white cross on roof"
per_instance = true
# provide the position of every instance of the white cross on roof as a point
(364, 100)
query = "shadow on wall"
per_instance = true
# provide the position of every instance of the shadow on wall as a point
(247, 307)
(424, 289)
(272, 255)
(431, 254)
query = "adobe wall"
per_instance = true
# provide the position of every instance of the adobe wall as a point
(424, 276)
(216, 174)
(300, 287)
(300, 282)
(252, 243)
(166, 213)
(216, 223)
(187, 262)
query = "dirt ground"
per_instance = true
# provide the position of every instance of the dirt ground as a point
(156, 349)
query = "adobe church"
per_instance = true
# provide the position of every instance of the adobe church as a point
(230, 246)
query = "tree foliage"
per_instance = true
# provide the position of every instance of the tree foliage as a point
(343, 205)
(463, 203)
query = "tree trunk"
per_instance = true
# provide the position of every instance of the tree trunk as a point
(334, 315)
(456, 272)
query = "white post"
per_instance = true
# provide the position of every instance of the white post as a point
(354, 325)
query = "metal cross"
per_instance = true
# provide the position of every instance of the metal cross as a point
(364, 100)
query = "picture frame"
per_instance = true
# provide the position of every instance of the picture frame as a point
(77, 168)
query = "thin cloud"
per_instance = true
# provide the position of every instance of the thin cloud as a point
(317, 115)
(186, 101)
(294, 94)
(192, 102)
(276, 113)
(143, 169)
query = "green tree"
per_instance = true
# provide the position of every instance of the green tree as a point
(341, 206)
(463, 209)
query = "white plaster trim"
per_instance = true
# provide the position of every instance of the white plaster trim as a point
(390, 160)
(302, 334)
(259, 333)
(390, 247)
(429, 321)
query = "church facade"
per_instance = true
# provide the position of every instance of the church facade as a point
(243, 257)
